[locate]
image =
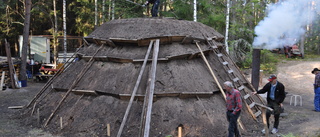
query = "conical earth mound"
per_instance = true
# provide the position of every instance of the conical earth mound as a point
(134, 70)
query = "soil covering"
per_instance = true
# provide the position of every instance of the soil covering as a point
(185, 93)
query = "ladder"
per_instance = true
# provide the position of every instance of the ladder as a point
(247, 98)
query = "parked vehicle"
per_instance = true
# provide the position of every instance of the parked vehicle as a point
(292, 51)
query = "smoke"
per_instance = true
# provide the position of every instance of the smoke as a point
(285, 23)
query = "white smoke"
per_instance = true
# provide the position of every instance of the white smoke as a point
(285, 23)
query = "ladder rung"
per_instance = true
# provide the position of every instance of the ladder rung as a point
(219, 55)
(235, 79)
(225, 63)
(252, 104)
(257, 113)
(241, 87)
(230, 71)
(246, 96)
(214, 47)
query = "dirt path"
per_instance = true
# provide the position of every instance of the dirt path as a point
(295, 75)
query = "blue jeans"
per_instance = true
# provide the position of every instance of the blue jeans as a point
(233, 124)
(317, 99)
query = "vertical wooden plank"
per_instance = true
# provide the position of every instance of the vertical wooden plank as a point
(10, 64)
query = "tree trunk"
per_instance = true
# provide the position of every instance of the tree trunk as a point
(64, 31)
(112, 9)
(227, 27)
(95, 13)
(55, 30)
(195, 10)
(103, 11)
(23, 72)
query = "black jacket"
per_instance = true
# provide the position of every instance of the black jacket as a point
(279, 92)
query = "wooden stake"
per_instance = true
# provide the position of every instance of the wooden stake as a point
(61, 126)
(108, 130)
(179, 131)
(38, 116)
(264, 119)
(2, 80)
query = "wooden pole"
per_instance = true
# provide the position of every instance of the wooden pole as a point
(151, 81)
(135, 89)
(210, 69)
(75, 82)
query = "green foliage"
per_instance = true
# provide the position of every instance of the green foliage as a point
(288, 135)
(269, 61)
(182, 9)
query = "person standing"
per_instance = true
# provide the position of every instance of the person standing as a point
(316, 85)
(275, 97)
(234, 106)
(155, 7)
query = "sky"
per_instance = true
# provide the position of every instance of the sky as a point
(285, 23)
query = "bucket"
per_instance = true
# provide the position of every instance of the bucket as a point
(23, 83)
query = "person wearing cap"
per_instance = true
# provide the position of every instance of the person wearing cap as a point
(234, 106)
(316, 85)
(275, 96)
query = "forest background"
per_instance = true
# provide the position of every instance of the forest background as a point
(237, 18)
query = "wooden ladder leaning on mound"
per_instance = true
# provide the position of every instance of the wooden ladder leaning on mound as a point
(248, 101)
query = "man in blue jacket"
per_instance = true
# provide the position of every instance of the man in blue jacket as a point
(275, 97)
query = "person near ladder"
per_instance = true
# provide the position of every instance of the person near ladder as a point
(275, 97)
(155, 7)
(316, 84)
(234, 106)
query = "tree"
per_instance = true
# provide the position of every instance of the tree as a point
(23, 76)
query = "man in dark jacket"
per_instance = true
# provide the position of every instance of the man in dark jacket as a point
(155, 6)
(275, 97)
